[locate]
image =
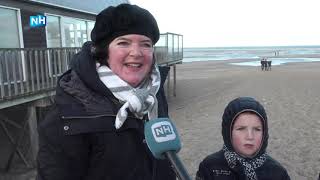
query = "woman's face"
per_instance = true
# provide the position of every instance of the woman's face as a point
(247, 134)
(130, 57)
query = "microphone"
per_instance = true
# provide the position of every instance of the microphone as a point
(163, 141)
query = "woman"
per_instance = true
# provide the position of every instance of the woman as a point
(95, 130)
(245, 136)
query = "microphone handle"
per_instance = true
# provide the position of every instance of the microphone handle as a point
(178, 167)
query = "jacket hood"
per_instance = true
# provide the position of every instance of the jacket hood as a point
(233, 110)
(84, 64)
(79, 90)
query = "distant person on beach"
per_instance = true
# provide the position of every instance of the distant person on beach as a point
(269, 65)
(95, 130)
(243, 156)
(263, 64)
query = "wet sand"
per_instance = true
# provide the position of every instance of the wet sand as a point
(290, 94)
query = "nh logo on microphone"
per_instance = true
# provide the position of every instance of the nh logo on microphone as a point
(38, 21)
(163, 131)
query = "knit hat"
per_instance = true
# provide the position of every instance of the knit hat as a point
(121, 20)
(233, 110)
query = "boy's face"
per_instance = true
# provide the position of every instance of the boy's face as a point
(247, 134)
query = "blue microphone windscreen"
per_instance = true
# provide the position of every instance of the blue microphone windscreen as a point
(161, 135)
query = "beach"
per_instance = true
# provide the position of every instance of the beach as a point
(289, 93)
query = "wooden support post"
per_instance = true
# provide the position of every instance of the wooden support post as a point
(168, 84)
(33, 124)
(174, 80)
(32, 121)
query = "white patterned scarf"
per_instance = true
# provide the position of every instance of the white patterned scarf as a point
(249, 166)
(140, 100)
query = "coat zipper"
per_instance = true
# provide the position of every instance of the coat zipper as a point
(93, 116)
(87, 117)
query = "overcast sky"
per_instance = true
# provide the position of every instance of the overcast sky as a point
(219, 23)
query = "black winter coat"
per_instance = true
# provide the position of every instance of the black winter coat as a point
(78, 140)
(215, 167)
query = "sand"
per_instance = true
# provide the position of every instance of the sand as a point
(290, 94)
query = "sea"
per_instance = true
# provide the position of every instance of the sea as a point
(277, 54)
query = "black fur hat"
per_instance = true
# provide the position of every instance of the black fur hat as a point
(124, 19)
(234, 109)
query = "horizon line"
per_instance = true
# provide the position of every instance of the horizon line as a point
(251, 46)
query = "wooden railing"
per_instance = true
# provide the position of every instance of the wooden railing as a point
(27, 71)
(169, 49)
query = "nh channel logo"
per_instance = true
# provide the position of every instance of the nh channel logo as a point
(38, 21)
(163, 131)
